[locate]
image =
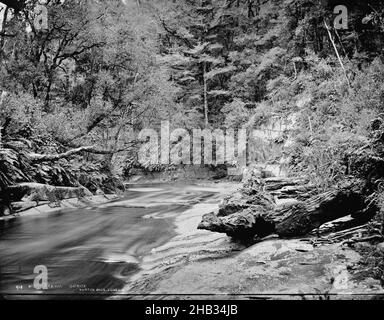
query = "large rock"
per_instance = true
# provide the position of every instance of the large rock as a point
(244, 225)
(302, 218)
(5, 210)
(240, 201)
(250, 213)
(40, 192)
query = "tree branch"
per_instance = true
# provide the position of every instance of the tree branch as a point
(175, 34)
(90, 149)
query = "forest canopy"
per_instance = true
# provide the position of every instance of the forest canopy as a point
(75, 92)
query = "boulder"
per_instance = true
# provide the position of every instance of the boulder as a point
(5, 210)
(243, 225)
(241, 201)
(250, 212)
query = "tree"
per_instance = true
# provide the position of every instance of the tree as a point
(93, 78)
(200, 35)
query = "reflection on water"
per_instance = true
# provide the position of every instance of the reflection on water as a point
(91, 250)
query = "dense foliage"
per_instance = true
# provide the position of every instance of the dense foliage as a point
(105, 69)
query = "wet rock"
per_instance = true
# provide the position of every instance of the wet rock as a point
(243, 225)
(251, 212)
(241, 201)
(302, 218)
(5, 210)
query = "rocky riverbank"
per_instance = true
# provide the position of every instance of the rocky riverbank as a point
(196, 263)
(33, 198)
(291, 207)
(153, 232)
(285, 241)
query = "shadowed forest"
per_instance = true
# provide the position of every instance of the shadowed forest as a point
(75, 92)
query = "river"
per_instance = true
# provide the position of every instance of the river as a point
(146, 245)
(97, 250)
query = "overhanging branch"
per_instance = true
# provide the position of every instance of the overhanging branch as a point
(70, 153)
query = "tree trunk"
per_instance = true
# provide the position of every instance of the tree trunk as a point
(34, 157)
(337, 54)
(205, 96)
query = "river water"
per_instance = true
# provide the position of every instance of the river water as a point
(95, 250)
(146, 245)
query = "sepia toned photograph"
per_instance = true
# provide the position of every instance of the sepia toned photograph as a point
(192, 150)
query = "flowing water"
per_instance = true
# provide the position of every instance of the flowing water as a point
(147, 244)
(94, 250)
